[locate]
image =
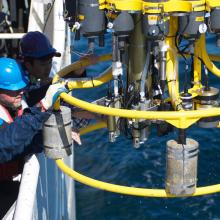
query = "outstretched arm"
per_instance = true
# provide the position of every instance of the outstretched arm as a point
(17, 137)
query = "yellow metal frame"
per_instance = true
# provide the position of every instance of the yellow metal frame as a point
(157, 8)
(78, 65)
(212, 4)
(92, 127)
(167, 7)
(128, 5)
(205, 57)
(180, 119)
(161, 193)
(172, 65)
(144, 192)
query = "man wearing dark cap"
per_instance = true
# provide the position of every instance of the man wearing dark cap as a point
(37, 54)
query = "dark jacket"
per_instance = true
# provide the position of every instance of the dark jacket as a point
(34, 94)
(22, 136)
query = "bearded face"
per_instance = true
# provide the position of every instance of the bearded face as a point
(11, 99)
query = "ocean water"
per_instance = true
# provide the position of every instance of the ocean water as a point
(122, 164)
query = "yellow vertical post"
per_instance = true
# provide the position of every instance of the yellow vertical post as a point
(197, 64)
(172, 64)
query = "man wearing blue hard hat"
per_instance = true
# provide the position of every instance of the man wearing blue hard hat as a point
(20, 129)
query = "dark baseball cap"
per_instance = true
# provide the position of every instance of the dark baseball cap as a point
(36, 44)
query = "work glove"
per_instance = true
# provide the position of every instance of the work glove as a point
(52, 94)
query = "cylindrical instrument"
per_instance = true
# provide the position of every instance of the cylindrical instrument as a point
(57, 138)
(181, 170)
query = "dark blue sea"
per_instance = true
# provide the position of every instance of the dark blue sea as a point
(121, 163)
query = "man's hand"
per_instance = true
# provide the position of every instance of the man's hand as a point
(52, 94)
(92, 59)
(76, 137)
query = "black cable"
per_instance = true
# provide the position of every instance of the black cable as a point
(93, 85)
(185, 60)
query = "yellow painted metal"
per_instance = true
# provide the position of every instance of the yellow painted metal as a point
(212, 4)
(182, 122)
(154, 7)
(57, 104)
(157, 7)
(91, 83)
(79, 64)
(93, 127)
(167, 7)
(198, 5)
(214, 57)
(180, 119)
(197, 64)
(124, 5)
(82, 84)
(129, 190)
(197, 70)
(101, 4)
(172, 65)
(205, 57)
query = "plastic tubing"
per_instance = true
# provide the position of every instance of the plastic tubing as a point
(134, 191)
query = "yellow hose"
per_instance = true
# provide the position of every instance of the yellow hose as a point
(128, 190)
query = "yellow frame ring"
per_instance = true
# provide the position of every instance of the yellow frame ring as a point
(79, 64)
(212, 4)
(128, 5)
(166, 7)
(134, 191)
(180, 119)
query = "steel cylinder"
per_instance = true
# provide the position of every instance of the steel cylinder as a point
(190, 25)
(214, 19)
(123, 24)
(181, 167)
(207, 99)
(57, 138)
(93, 19)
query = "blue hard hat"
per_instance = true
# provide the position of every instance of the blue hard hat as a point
(35, 44)
(12, 77)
